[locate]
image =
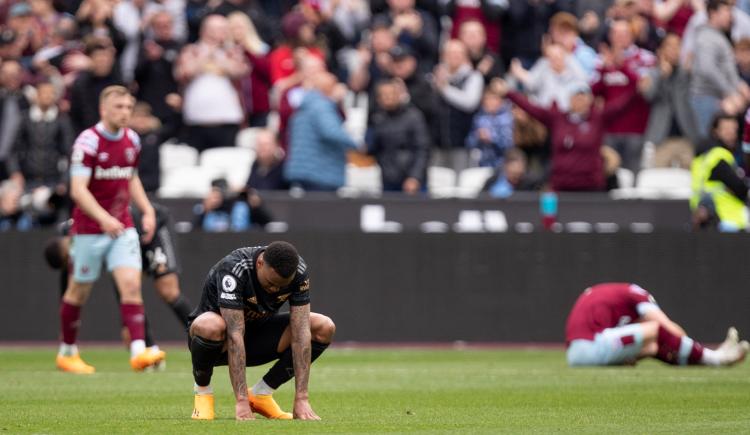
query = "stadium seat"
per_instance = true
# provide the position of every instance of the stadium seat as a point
(172, 156)
(356, 107)
(471, 181)
(362, 180)
(663, 183)
(625, 178)
(441, 182)
(232, 163)
(186, 182)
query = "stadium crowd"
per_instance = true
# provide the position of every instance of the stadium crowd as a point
(547, 93)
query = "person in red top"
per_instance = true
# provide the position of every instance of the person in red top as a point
(630, 63)
(103, 179)
(620, 323)
(576, 135)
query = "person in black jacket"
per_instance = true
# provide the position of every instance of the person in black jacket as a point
(399, 140)
(84, 94)
(153, 133)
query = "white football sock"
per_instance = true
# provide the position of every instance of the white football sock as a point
(711, 357)
(262, 388)
(68, 349)
(202, 390)
(137, 347)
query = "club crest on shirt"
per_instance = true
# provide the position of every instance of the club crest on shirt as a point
(130, 155)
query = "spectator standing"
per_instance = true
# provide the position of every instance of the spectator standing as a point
(715, 76)
(740, 28)
(624, 64)
(154, 72)
(460, 88)
(414, 28)
(22, 33)
(551, 77)
(43, 142)
(491, 132)
(421, 93)
(671, 132)
(487, 13)
(474, 37)
(563, 30)
(209, 69)
(675, 14)
(576, 136)
(298, 33)
(255, 87)
(399, 140)
(524, 25)
(84, 94)
(12, 105)
(318, 141)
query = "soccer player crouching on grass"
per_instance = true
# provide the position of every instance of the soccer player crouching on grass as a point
(237, 323)
(103, 179)
(620, 323)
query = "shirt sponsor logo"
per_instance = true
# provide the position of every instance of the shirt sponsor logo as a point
(229, 296)
(113, 173)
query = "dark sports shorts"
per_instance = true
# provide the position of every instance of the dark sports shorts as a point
(160, 255)
(261, 341)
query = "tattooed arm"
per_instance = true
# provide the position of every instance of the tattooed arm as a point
(300, 327)
(235, 321)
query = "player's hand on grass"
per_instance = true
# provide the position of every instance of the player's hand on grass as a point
(111, 226)
(242, 410)
(303, 410)
(148, 224)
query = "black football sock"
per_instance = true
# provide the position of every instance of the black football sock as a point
(181, 309)
(148, 336)
(283, 370)
(204, 354)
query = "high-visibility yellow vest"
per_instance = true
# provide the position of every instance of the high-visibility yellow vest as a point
(729, 208)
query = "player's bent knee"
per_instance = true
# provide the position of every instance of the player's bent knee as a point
(77, 293)
(323, 328)
(210, 326)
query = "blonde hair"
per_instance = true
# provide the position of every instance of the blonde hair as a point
(252, 40)
(115, 90)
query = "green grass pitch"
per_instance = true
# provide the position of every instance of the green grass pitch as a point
(382, 391)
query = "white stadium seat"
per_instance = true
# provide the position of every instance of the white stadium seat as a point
(186, 182)
(362, 180)
(625, 178)
(663, 183)
(232, 163)
(441, 181)
(471, 181)
(172, 156)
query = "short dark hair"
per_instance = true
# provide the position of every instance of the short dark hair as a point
(282, 257)
(721, 116)
(714, 5)
(53, 253)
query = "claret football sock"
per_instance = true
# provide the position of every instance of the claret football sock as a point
(204, 353)
(678, 350)
(70, 321)
(283, 370)
(133, 319)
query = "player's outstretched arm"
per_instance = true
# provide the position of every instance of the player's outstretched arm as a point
(235, 321)
(300, 327)
(659, 316)
(138, 194)
(80, 193)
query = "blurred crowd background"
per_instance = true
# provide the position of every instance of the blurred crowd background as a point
(424, 97)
